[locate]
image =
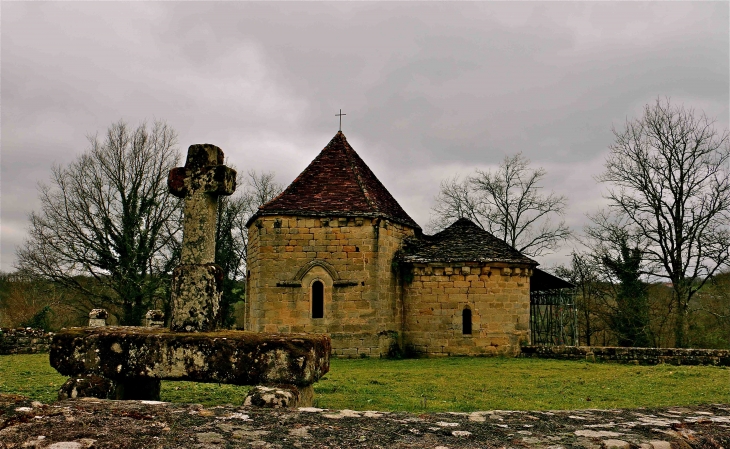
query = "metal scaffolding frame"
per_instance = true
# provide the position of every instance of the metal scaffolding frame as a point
(553, 315)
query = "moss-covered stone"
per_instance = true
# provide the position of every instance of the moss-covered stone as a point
(88, 386)
(196, 294)
(280, 396)
(233, 357)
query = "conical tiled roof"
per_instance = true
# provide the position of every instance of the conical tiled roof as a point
(463, 241)
(339, 183)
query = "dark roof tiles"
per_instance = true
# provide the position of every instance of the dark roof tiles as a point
(463, 241)
(337, 182)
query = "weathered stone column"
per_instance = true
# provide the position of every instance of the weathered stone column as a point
(97, 317)
(154, 318)
(197, 283)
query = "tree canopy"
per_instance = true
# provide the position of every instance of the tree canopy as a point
(108, 217)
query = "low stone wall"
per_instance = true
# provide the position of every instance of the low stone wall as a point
(24, 341)
(639, 356)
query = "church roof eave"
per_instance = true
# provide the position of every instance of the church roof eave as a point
(416, 259)
(333, 213)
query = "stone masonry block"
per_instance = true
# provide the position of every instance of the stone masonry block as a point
(280, 396)
(234, 357)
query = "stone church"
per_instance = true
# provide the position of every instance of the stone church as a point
(335, 253)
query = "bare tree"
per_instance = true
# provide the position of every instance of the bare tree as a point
(107, 226)
(668, 175)
(618, 255)
(584, 273)
(508, 203)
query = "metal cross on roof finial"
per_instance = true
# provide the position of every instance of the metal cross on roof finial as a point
(340, 116)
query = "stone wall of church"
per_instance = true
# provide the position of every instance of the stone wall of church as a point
(497, 297)
(351, 256)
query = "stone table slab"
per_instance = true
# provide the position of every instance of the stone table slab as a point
(232, 357)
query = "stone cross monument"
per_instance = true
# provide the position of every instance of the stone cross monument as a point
(129, 362)
(197, 281)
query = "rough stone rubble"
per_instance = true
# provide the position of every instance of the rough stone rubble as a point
(94, 423)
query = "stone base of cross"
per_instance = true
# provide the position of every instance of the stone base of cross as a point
(130, 362)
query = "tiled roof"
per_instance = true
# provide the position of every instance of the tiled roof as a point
(463, 241)
(337, 182)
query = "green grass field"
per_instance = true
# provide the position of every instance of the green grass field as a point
(443, 384)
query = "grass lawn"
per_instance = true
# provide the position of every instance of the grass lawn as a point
(444, 384)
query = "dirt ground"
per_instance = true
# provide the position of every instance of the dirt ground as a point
(94, 423)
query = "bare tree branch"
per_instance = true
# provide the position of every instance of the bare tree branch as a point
(506, 202)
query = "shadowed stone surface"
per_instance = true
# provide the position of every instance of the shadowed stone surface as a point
(124, 354)
(98, 317)
(24, 341)
(199, 183)
(280, 396)
(86, 386)
(146, 424)
(154, 318)
(196, 293)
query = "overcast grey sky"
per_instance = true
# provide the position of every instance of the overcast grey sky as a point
(430, 89)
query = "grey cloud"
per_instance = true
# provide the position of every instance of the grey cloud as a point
(430, 89)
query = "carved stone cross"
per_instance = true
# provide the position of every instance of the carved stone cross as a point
(203, 179)
(197, 281)
(130, 362)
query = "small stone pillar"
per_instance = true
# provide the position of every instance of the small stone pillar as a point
(154, 318)
(197, 283)
(97, 317)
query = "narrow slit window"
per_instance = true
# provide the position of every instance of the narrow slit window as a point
(317, 299)
(466, 321)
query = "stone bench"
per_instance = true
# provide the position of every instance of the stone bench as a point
(135, 359)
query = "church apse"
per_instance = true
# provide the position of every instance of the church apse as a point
(349, 257)
(335, 253)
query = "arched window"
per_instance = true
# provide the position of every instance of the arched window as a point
(466, 322)
(317, 299)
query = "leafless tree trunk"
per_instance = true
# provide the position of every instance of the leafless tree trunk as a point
(508, 203)
(108, 216)
(668, 175)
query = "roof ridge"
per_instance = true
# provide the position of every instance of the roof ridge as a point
(352, 158)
